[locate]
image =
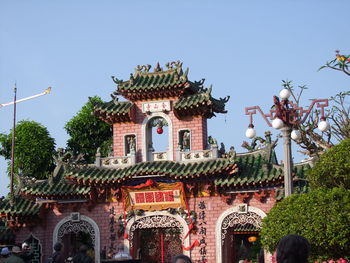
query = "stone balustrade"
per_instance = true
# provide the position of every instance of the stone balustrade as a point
(115, 162)
(192, 156)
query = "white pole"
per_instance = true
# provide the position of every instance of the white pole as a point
(47, 91)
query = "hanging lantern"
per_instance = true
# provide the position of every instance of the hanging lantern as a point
(159, 130)
(252, 239)
(159, 127)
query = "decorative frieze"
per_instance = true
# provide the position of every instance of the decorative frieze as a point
(115, 162)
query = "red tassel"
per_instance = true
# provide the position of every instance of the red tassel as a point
(149, 182)
(194, 244)
(126, 236)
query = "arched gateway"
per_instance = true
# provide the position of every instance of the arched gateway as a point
(233, 225)
(75, 224)
(162, 233)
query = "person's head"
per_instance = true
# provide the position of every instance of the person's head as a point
(83, 249)
(25, 246)
(182, 259)
(15, 250)
(58, 246)
(293, 249)
(5, 252)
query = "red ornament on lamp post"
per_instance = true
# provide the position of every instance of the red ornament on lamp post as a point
(287, 116)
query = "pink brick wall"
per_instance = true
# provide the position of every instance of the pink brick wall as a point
(215, 206)
(197, 125)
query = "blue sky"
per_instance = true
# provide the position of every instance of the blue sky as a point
(243, 48)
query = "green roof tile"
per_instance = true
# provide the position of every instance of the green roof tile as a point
(173, 169)
(58, 189)
(114, 111)
(252, 169)
(200, 104)
(145, 84)
(20, 207)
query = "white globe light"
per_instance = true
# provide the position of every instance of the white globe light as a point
(250, 133)
(295, 135)
(277, 123)
(285, 94)
(323, 126)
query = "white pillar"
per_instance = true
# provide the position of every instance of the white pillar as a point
(287, 161)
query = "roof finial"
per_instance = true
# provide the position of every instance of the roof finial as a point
(158, 68)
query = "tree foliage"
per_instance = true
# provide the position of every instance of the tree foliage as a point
(322, 216)
(87, 132)
(333, 168)
(34, 149)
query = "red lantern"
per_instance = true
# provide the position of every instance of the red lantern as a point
(159, 130)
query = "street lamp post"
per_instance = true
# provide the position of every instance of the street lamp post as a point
(287, 116)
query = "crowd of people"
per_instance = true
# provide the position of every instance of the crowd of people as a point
(290, 249)
(16, 254)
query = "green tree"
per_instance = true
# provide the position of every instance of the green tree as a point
(87, 132)
(333, 168)
(34, 149)
(322, 216)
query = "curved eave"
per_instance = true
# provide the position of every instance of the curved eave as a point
(175, 170)
(112, 116)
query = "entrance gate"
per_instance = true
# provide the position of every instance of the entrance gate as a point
(233, 228)
(156, 239)
(75, 225)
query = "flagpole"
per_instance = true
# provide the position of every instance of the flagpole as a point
(13, 142)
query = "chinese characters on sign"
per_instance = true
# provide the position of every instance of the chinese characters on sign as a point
(154, 197)
(202, 223)
(158, 196)
(112, 231)
(156, 106)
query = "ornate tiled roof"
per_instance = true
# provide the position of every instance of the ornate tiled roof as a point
(114, 111)
(20, 207)
(61, 190)
(176, 170)
(200, 104)
(253, 170)
(144, 84)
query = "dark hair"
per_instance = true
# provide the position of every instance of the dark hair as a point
(58, 246)
(293, 249)
(83, 248)
(186, 258)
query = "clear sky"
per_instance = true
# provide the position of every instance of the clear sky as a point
(243, 48)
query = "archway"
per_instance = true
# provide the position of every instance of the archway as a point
(147, 136)
(161, 223)
(248, 219)
(75, 224)
(35, 244)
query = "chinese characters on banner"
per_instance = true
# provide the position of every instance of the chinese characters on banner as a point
(154, 196)
(156, 106)
(157, 196)
(202, 223)
(112, 231)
